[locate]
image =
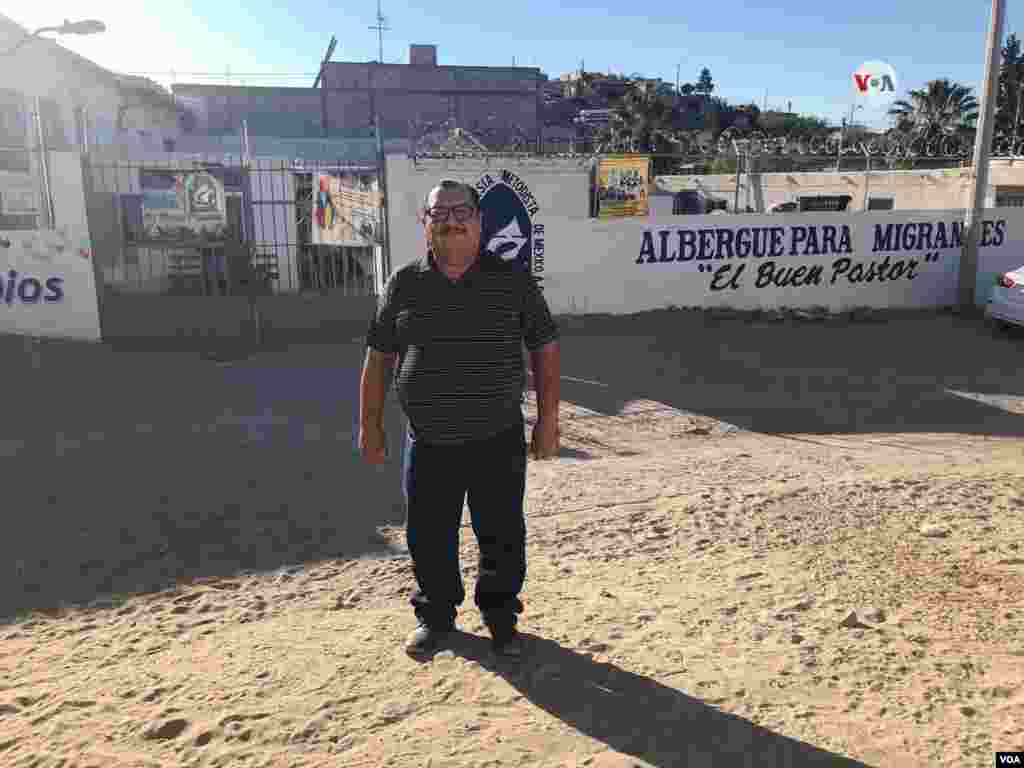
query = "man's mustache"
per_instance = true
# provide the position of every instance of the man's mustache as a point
(445, 231)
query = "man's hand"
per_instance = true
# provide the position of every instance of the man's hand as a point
(373, 444)
(545, 440)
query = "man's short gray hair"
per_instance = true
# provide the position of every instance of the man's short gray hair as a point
(454, 184)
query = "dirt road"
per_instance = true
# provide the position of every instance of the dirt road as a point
(763, 544)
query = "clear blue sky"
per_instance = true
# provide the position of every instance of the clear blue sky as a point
(799, 51)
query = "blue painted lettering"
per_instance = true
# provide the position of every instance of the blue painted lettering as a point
(29, 290)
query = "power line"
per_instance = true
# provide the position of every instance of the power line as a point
(175, 73)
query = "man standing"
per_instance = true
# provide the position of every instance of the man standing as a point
(451, 326)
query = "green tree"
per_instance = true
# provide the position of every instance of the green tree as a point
(779, 124)
(941, 108)
(801, 125)
(704, 83)
(642, 120)
(1011, 80)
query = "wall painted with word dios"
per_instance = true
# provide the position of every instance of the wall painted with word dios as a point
(539, 214)
(47, 277)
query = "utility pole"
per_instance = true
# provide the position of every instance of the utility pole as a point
(968, 275)
(381, 29)
(323, 85)
(839, 152)
(382, 173)
(1016, 120)
(842, 136)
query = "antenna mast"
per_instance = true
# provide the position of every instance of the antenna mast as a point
(381, 28)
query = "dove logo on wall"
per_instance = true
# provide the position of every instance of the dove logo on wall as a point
(510, 230)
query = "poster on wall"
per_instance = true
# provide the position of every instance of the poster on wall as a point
(623, 185)
(182, 206)
(47, 285)
(346, 209)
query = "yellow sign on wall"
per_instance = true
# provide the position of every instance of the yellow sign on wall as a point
(623, 184)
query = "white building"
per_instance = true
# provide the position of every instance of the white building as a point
(79, 103)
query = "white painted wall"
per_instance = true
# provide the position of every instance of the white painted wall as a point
(61, 257)
(629, 283)
(560, 186)
(596, 266)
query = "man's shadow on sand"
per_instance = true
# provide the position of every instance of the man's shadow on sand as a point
(638, 716)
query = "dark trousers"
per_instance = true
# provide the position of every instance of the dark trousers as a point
(437, 480)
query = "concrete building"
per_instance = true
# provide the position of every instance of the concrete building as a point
(594, 86)
(80, 103)
(281, 122)
(494, 103)
(218, 110)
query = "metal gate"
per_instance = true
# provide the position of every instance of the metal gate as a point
(201, 227)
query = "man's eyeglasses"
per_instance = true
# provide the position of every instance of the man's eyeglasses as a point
(462, 213)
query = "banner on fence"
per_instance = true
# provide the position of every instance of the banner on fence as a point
(346, 210)
(186, 205)
(623, 186)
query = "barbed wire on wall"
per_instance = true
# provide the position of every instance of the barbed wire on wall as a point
(440, 138)
(444, 146)
(446, 139)
(733, 143)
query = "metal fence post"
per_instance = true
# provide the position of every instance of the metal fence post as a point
(44, 165)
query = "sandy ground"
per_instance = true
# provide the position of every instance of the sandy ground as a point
(763, 544)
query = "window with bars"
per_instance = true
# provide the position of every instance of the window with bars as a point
(14, 124)
(53, 124)
(19, 198)
(824, 203)
(1012, 197)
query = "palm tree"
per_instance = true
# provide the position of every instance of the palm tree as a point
(1011, 86)
(941, 108)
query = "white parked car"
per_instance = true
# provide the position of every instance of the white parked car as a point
(1006, 302)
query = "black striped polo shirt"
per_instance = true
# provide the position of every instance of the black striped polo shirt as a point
(459, 375)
